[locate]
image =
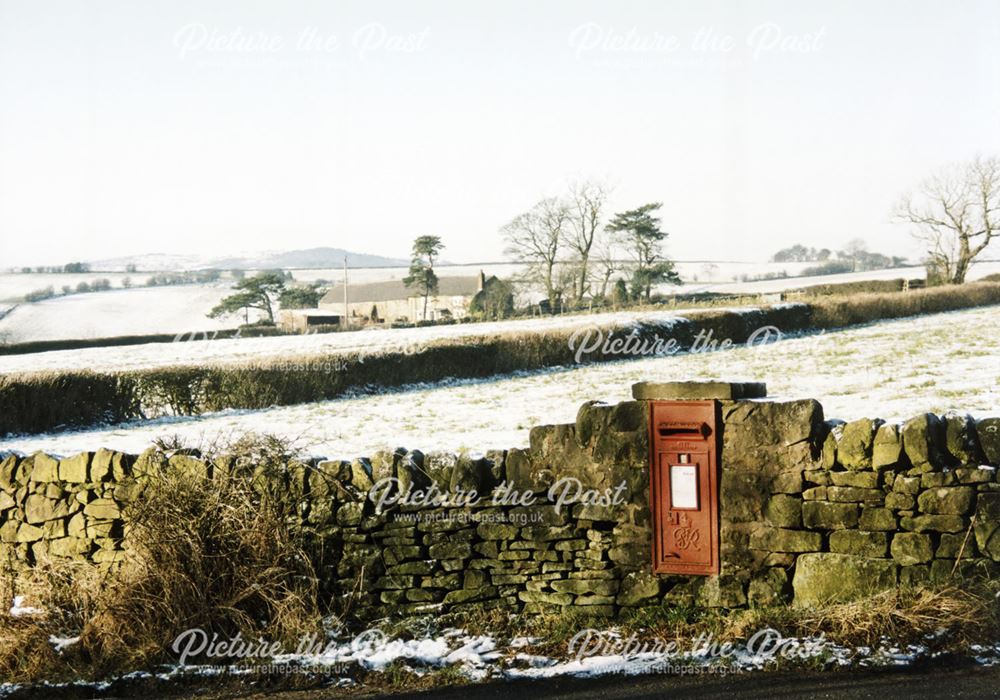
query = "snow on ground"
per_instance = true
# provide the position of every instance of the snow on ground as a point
(182, 310)
(234, 350)
(136, 311)
(13, 286)
(19, 609)
(892, 370)
(481, 657)
(977, 271)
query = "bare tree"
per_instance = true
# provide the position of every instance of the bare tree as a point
(608, 261)
(535, 240)
(585, 204)
(855, 248)
(956, 214)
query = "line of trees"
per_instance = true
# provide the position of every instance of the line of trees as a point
(854, 257)
(571, 249)
(98, 285)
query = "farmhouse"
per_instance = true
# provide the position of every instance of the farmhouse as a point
(392, 301)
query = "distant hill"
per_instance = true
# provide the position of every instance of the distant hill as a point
(284, 259)
(310, 257)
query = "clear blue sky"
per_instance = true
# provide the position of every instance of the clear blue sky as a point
(193, 127)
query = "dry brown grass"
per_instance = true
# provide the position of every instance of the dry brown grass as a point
(66, 592)
(902, 615)
(25, 652)
(215, 554)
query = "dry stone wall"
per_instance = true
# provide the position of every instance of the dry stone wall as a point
(810, 511)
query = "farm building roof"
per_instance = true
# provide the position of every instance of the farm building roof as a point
(393, 290)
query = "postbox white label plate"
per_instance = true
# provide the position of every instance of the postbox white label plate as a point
(684, 486)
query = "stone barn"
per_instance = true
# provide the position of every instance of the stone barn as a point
(392, 301)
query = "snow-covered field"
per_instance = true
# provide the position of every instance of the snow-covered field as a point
(182, 309)
(137, 311)
(13, 286)
(977, 271)
(891, 370)
(230, 350)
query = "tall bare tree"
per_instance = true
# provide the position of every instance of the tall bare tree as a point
(956, 214)
(535, 240)
(607, 257)
(585, 204)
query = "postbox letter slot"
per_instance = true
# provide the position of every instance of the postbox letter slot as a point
(694, 430)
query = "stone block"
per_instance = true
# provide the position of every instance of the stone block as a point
(952, 500)
(828, 577)
(887, 447)
(496, 531)
(667, 391)
(75, 469)
(39, 508)
(900, 501)
(933, 523)
(922, 437)
(638, 587)
(857, 479)
(987, 527)
(43, 468)
(830, 516)
(783, 510)
(974, 475)
(451, 550)
(960, 441)
(601, 587)
(854, 451)
(860, 542)
(909, 548)
(820, 477)
(952, 544)
(783, 540)
(909, 485)
(852, 494)
(988, 432)
(881, 519)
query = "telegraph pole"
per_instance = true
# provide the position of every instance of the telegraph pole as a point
(347, 316)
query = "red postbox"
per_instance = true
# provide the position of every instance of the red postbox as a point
(684, 486)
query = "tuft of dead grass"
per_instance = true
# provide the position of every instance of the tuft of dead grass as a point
(953, 616)
(908, 614)
(219, 554)
(65, 592)
(214, 554)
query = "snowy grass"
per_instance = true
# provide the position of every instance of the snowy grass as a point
(891, 370)
(239, 350)
(119, 312)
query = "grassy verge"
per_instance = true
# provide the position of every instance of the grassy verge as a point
(214, 554)
(40, 402)
(943, 620)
